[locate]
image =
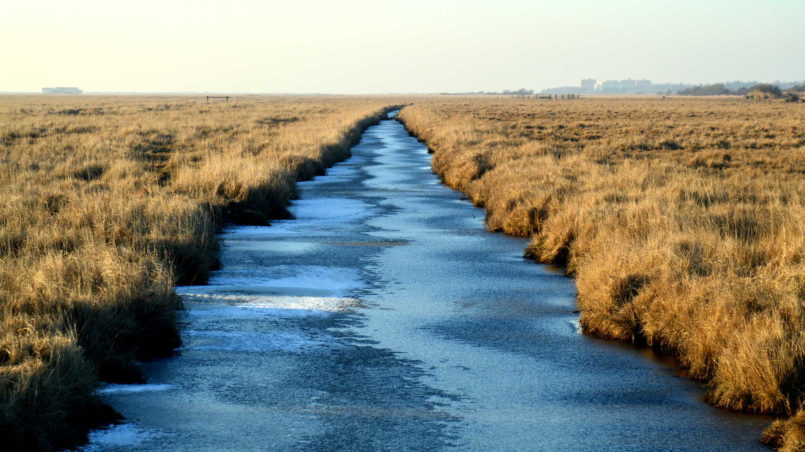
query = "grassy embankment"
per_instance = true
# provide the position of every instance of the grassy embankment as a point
(105, 204)
(682, 220)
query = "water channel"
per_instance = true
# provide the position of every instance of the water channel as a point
(385, 317)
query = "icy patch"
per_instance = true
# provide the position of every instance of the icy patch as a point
(333, 281)
(340, 281)
(127, 389)
(233, 245)
(239, 313)
(242, 341)
(253, 306)
(123, 435)
(303, 303)
(338, 173)
(311, 213)
(329, 209)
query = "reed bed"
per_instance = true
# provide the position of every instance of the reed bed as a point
(682, 220)
(107, 203)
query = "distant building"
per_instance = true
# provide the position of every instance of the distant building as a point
(623, 86)
(62, 90)
(629, 86)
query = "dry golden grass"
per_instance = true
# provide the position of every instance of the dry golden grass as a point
(787, 435)
(106, 203)
(683, 221)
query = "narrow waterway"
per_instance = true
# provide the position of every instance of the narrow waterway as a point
(385, 317)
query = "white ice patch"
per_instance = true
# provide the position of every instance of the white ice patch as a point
(239, 313)
(274, 246)
(332, 281)
(329, 209)
(243, 341)
(215, 306)
(123, 435)
(267, 302)
(127, 389)
(311, 213)
(340, 281)
(324, 304)
(338, 173)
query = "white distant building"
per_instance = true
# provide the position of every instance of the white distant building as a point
(622, 86)
(62, 90)
(588, 84)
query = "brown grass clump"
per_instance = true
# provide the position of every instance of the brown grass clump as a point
(106, 203)
(787, 435)
(683, 221)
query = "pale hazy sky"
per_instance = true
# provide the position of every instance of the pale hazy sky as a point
(357, 46)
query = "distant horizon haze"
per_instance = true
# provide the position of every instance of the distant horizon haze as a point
(363, 47)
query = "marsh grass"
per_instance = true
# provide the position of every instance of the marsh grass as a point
(682, 220)
(107, 202)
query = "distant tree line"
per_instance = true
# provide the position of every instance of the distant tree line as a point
(715, 89)
(519, 92)
(761, 89)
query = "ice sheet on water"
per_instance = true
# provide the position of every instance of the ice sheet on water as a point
(329, 209)
(315, 212)
(248, 341)
(250, 306)
(273, 245)
(239, 313)
(336, 174)
(126, 389)
(123, 435)
(326, 304)
(334, 281)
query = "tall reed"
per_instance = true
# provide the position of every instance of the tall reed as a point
(682, 220)
(107, 202)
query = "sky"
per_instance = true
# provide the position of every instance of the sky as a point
(399, 46)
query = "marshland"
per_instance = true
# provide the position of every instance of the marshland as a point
(681, 219)
(107, 203)
(371, 307)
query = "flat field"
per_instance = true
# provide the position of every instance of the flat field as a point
(105, 204)
(682, 220)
